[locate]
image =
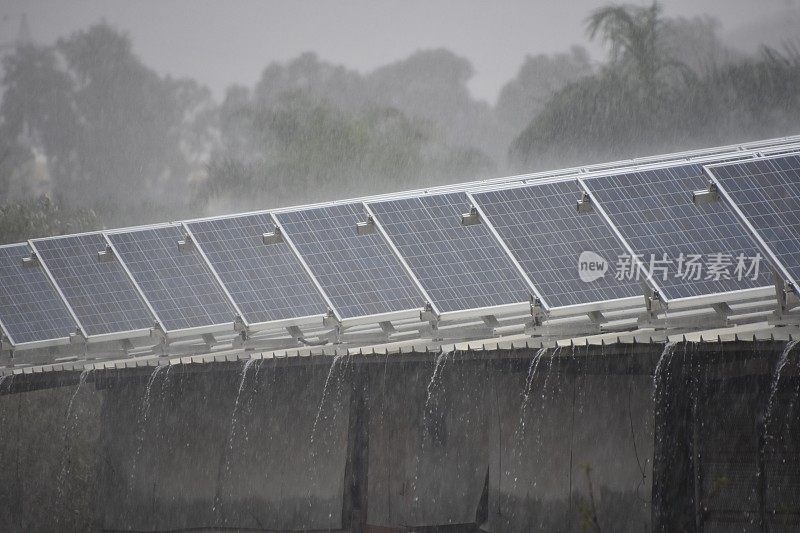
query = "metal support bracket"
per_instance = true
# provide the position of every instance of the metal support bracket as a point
(209, 340)
(330, 320)
(471, 218)
(689, 323)
(561, 331)
(490, 321)
(788, 299)
(597, 317)
(186, 244)
(6, 350)
(334, 336)
(431, 330)
(653, 302)
(107, 255)
(126, 346)
(427, 314)
(585, 203)
(31, 261)
(367, 227)
(295, 332)
(388, 328)
(539, 314)
(78, 340)
(274, 237)
(162, 341)
(706, 196)
(240, 327)
(723, 311)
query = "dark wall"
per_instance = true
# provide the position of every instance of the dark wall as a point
(48, 443)
(578, 453)
(584, 439)
(428, 433)
(728, 438)
(261, 449)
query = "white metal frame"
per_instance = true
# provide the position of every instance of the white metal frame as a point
(557, 311)
(379, 227)
(170, 334)
(743, 218)
(102, 337)
(44, 343)
(461, 314)
(345, 322)
(672, 303)
(709, 157)
(311, 320)
(314, 280)
(493, 231)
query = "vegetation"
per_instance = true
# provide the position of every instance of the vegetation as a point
(90, 136)
(647, 100)
(41, 217)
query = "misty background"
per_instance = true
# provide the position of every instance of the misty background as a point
(120, 113)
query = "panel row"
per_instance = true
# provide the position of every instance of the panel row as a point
(458, 253)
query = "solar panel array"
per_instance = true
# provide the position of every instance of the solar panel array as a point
(359, 273)
(545, 233)
(460, 267)
(177, 283)
(30, 308)
(768, 194)
(654, 213)
(100, 293)
(267, 282)
(530, 238)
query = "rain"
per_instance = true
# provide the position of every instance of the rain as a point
(317, 266)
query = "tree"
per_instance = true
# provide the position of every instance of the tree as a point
(637, 104)
(303, 151)
(42, 217)
(632, 33)
(431, 86)
(117, 137)
(310, 131)
(619, 110)
(539, 78)
(36, 113)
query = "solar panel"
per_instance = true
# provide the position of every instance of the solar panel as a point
(548, 237)
(177, 283)
(460, 267)
(267, 282)
(767, 192)
(654, 212)
(100, 293)
(31, 309)
(359, 273)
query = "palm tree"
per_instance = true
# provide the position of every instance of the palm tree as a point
(633, 33)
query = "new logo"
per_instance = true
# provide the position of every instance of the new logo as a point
(591, 266)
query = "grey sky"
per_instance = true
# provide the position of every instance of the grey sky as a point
(222, 42)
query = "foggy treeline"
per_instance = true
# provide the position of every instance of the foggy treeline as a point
(91, 137)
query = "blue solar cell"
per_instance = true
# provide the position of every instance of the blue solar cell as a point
(359, 273)
(460, 267)
(177, 283)
(100, 293)
(31, 309)
(654, 212)
(767, 191)
(545, 233)
(267, 282)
